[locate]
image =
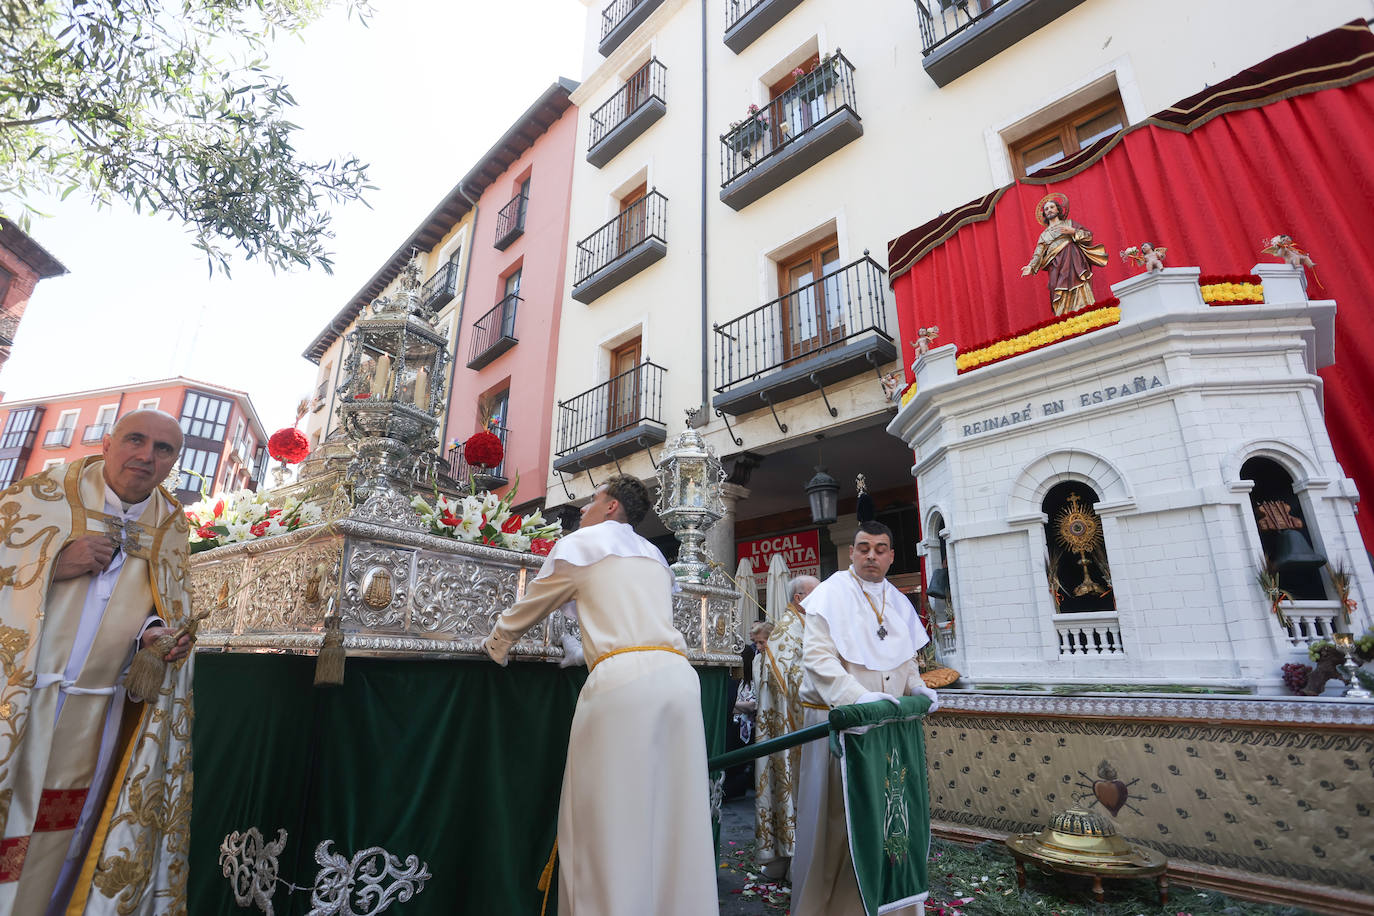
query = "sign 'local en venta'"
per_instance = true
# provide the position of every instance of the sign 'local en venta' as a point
(800, 551)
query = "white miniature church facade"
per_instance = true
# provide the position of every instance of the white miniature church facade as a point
(1164, 424)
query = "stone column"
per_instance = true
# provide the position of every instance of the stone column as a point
(720, 539)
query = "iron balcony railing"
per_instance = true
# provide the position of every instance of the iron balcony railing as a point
(840, 305)
(735, 10)
(816, 96)
(642, 220)
(94, 433)
(494, 327)
(649, 81)
(510, 221)
(440, 289)
(941, 20)
(615, 13)
(58, 438)
(634, 396)
(461, 471)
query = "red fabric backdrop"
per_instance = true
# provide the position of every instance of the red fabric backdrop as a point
(1303, 166)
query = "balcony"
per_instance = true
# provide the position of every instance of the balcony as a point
(485, 478)
(746, 20)
(321, 397)
(1089, 633)
(94, 433)
(440, 289)
(630, 242)
(493, 333)
(620, 18)
(796, 130)
(59, 438)
(628, 113)
(612, 420)
(822, 333)
(959, 35)
(510, 221)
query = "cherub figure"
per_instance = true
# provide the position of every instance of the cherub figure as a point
(1283, 248)
(924, 338)
(1146, 256)
(892, 386)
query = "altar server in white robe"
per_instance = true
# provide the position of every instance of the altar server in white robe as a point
(634, 817)
(862, 636)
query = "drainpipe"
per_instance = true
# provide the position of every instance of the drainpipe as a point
(458, 323)
(702, 416)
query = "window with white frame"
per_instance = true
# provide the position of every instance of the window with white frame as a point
(149, 403)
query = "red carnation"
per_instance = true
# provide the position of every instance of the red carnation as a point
(512, 525)
(288, 445)
(483, 450)
(541, 546)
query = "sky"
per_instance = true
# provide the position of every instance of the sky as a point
(420, 93)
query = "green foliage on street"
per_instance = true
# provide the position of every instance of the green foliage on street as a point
(171, 107)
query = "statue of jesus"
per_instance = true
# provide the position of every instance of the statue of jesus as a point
(1066, 252)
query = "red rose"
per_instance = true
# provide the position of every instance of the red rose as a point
(541, 546)
(288, 445)
(207, 533)
(483, 450)
(512, 525)
(258, 530)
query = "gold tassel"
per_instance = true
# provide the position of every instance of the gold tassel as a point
(329, 666)
(546, 877)
(148, 669)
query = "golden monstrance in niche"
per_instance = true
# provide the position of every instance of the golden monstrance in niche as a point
(1080, 531)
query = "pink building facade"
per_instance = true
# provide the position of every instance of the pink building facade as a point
(508, 338)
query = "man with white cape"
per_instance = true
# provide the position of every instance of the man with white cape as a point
(634, 817)
(862, 637)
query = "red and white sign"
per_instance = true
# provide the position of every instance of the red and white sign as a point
(800, 551)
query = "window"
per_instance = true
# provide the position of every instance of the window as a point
(1080, 577)
(67, 419)
(203, 416)
(795, 103)
(105, 416)
(197, 463)
(9, 467)
(1283, 531)
(524, 195)
(19, 426)
(624, 392)
(1067, 135)
(630, 229)
(813, 308)
(240, 442)
(149, 404)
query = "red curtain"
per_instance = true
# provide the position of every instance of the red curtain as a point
(1300, 166)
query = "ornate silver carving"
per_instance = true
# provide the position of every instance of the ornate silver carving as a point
(366, 884)
(687, 618)
(461, 597)
(285, 583)
(365, 561)
(1314, 711)
(388, 507)
(250, 864)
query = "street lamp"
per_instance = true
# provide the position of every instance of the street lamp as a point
(823, 492)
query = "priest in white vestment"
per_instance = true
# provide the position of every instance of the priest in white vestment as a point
(634, 817)
(777, 676)
(862, 637)
(93, 566)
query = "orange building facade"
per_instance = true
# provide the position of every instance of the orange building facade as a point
(225, 448)
(23, 262)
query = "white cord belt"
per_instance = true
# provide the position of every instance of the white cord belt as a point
(69, 687)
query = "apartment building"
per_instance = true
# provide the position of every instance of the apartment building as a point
(741, 167)
(225, 442)
(23, 262)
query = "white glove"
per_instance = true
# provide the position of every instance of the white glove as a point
(874, 696)
(917, 687)
(572, 652)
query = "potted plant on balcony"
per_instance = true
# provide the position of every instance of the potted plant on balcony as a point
(820, 81)
(744, 135)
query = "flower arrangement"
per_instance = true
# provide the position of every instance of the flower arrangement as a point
(1231, 289)
(245, 516)
(485, 518)
(758, 122)
(483, 450)
(289, 445)
(1106, 313)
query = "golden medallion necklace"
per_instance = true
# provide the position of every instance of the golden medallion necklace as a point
(877, 612)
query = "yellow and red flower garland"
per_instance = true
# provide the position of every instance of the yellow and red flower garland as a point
(1103, 315)
(1231, 289)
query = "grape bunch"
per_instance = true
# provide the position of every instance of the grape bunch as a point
(1295, 676)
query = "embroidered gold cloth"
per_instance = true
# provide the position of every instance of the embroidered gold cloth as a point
(778, 676)
(136, 857)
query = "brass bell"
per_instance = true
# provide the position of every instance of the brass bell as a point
(1292, 552)
(939, 584)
